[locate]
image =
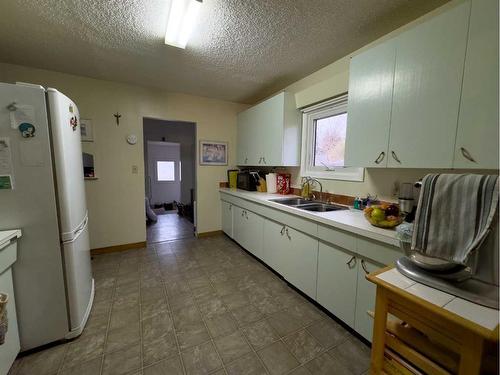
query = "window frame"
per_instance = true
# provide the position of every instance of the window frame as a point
(332, 107)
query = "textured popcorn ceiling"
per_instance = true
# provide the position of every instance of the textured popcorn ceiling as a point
(240, 50)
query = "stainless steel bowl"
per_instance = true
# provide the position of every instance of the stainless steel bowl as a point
(426, 262)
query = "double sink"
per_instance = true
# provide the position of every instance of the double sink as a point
(308, 205)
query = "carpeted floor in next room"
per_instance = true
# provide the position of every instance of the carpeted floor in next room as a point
(198, 306)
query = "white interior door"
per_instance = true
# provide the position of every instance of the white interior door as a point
(164, 172)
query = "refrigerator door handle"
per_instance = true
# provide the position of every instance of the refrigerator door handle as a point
(71, 237)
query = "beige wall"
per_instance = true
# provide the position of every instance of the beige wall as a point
(333, 80)
(116, 200)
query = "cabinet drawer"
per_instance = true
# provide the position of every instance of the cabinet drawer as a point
(306, 226)
(377, 251)
(337, 237)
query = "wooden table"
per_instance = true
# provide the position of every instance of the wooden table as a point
(459, 326)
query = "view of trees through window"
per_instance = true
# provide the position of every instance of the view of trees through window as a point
(329, 143)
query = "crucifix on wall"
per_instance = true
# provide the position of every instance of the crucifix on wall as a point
(117, 116)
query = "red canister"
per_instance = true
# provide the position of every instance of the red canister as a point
(283, 183)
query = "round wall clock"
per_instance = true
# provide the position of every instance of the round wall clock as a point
(131, 139)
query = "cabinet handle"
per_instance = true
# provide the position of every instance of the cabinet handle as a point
(288, 234)
(246, 214)
(363, 264)
(246, 160)
(282, 231)
(230, 207)
(380, 157)
(395, 157)
(260, 159)
(264, 160)
(242, 213)
(349, 263)
(466, 154)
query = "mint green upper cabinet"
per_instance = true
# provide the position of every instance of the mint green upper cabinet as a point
(427, 86)
(477, 134)
(371, 78)
(269, 133)
(247, 138)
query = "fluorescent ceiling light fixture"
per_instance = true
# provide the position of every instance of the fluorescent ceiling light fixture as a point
(181, 21)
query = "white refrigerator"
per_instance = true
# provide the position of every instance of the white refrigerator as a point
(42, 192)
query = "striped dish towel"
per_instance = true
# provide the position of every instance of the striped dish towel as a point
(454, 215)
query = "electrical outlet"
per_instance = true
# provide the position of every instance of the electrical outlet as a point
(135, 169)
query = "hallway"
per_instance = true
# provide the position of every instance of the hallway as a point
(169, 226)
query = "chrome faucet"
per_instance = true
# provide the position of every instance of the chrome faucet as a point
(310, 181)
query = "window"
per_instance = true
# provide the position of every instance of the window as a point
(324, 128)
(165, 170)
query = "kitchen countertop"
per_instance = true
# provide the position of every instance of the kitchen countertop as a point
(480, 315)
(349, 220)
(7, 235)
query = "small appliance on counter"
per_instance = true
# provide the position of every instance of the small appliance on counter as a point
(453, 244)
(283, 183)
(271, 183)
(248, 180)
(232, 178)
(406, 201)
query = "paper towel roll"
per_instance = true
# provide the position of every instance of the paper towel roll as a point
(271, 182)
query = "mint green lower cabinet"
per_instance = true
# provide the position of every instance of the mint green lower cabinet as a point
(337, 280)
(365, 299)
(239, 225)
(274, 246)
(301, 261)
(254, 233)
(248, 230)
(227, 218)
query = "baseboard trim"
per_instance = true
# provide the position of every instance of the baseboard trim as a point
(117, 248)
(210, 234)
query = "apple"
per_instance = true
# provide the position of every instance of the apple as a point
(378, 214)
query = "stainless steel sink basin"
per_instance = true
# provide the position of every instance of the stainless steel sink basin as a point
(321, 207)
(291, 201)
(308, 205)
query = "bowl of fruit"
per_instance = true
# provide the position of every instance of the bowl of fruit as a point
(384, 215)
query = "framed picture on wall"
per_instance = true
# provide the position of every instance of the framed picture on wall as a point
(213, 153)
(86, 130)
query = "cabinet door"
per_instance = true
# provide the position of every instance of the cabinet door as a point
(239, 225)
(337, 279)
(427, 86)
(227, 218)
(274, 253)
(477, 134)
(371, 78)
(254, 227)
(301, 261)
(365, 299)
(243, 132)
(270, 130)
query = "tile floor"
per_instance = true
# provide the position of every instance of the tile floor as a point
(198, 306)
(169, 226)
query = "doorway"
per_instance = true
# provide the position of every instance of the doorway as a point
(170, 179)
